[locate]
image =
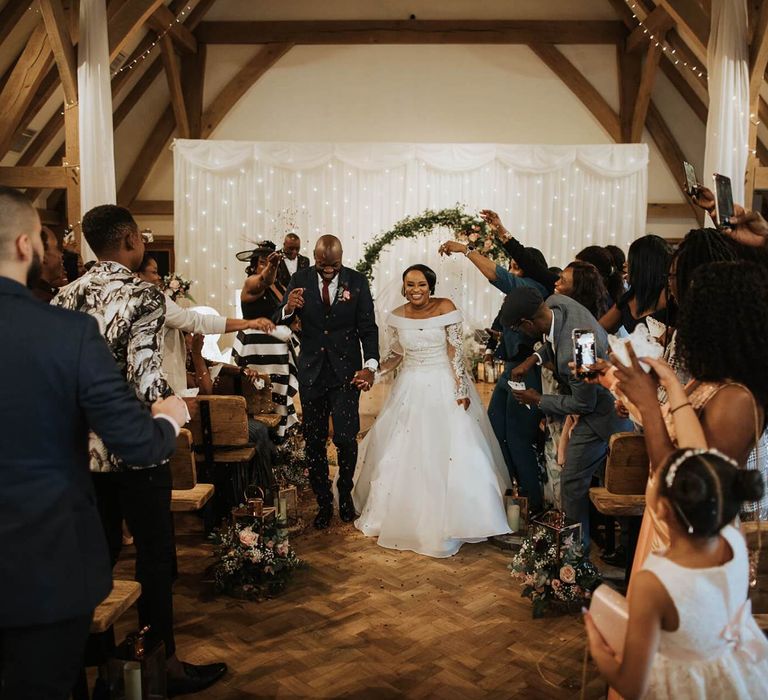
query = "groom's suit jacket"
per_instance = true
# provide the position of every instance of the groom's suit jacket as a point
(594, 404)
(333, 335)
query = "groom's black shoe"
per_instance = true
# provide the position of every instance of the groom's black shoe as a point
(347, 509)
(323, 517)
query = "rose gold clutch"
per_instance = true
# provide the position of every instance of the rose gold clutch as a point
(610, 612)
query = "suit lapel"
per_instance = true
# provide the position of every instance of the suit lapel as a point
(343, 284)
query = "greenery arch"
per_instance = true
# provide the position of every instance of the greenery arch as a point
(466, 228)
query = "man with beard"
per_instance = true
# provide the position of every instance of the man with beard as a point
(61, 379)
(131, 314)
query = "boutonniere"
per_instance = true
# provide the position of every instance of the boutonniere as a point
(343, 293)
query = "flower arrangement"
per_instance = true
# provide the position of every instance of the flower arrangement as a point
(291, 461)
(253, 564)
(466, 227)
(175, 286)
(563, 580)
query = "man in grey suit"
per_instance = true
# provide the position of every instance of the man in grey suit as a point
(525, 309)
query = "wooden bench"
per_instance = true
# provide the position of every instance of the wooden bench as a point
(219, 425)
(124, 594)
(258, 402)
(626, 474)
(187, 494)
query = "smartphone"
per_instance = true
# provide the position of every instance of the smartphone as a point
(516, 386)
(723, 200)
(583, 351)
(691, 183)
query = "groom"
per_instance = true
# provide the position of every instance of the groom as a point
(336, 310)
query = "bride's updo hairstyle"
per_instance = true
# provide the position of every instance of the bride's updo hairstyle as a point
(706, 489)
(428, 273)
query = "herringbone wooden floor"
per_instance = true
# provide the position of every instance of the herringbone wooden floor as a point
(365, 622)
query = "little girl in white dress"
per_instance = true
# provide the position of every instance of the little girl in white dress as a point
(691, 633)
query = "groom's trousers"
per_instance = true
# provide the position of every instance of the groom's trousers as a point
(330, 398)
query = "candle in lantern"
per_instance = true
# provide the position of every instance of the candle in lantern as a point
(282, 511)
(513, 516)
(132, 680)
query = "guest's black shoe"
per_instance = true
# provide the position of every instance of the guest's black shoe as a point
(195, 678)
(323, 517)
(347, 510)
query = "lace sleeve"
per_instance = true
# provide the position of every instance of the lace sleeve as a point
(393, 352)
(456, 351)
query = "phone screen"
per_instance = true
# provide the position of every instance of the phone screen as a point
(583, 350)
(691, 183)
(723, 199)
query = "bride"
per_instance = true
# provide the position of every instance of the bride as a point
(430, 475)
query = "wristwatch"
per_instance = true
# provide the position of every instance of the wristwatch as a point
(470, 248)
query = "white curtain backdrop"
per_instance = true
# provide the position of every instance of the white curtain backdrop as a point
(97, 153)
(727, 143)
(229, 195)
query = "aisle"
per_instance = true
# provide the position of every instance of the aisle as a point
(364, 622)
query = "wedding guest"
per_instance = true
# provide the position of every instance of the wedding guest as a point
(525, 310)
(516, 427)
(292, 261)
(73, 264)
(179, 320)
(647, 269)
(690, 633)
(581, 281)
(131, 314)
(54, 568)
(52, 275)
(619, 260)
(612, 276)
(261, 296)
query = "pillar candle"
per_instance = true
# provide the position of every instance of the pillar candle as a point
(132, 680)
(513, 516)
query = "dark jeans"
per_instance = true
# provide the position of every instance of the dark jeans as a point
(42, 662)
(142, 497)
(340, 402)
(516, 428)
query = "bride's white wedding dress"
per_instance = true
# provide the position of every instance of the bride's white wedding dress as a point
(430, 475)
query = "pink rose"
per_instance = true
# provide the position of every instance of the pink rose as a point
(346, 296)
(174, 284)
(473, 237)
(248, 537)
(568, 574)
(556, 584)
(488, 244)
(282, 549)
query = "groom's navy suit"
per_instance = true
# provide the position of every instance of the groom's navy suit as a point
(331, 340)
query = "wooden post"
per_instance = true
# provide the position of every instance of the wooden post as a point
(72, 163)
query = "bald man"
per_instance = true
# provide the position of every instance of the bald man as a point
(337, 320)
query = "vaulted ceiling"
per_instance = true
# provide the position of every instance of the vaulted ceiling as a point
(150, 38)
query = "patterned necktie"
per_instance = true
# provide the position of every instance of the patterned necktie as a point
(326, 295)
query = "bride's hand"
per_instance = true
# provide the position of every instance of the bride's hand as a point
(463, 402)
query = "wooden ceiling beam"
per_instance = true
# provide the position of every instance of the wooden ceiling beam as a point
(690, 95)
(581, 87)
(692, 23)
(57, 27)
(657, 24)
(647, 80)
(25, 79)
(127, 21)
(193, 85)
(239, 85)
(173, 77)
(14, 176)
(412, 32)
(10, 15)
(670, 150)
(152, 207)
(669, 210)
(163, 19)
(630, 69)
(139, 171)
(56, 159)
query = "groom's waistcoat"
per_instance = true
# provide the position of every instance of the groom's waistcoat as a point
(334, 334)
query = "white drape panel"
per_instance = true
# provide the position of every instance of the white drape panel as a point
(97, 153)
(228, 195)
(727, 141)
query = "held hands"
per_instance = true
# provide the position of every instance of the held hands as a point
(450, 247)
(363, 379)
(295, 300)
(261, 324)
(172, 406)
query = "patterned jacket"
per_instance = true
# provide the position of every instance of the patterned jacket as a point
(130, 314)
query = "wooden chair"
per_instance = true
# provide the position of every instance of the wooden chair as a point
(123, 595)
(626, 474)
(259, 404)
(219, 427)
(758, 594)
(187, 495)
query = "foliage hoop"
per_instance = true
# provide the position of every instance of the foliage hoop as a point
(466, 228)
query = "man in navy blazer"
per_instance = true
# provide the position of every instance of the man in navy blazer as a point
(335, 306)
(60, 381)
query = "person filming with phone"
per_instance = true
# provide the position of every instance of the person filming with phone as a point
(571, 334)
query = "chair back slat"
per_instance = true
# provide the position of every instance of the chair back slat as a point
(626, 471)
(183, 470)
(229, 419)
